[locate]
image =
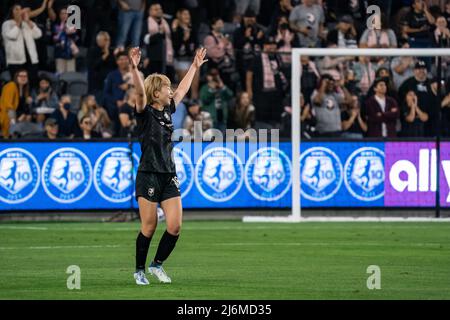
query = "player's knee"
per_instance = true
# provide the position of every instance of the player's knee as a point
(174, 229)
(148, 229)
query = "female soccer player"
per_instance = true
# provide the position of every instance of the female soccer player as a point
(156, 180)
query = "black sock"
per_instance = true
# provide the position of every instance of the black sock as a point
(165, 247)
(142, 245)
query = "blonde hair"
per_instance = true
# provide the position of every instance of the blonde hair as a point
(154, 83)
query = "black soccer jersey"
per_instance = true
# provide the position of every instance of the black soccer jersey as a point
(154, 129)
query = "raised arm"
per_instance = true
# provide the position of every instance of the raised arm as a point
(141, 99)
(185, 84)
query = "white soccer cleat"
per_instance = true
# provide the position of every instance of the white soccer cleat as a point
(159, 272)
(140, 278)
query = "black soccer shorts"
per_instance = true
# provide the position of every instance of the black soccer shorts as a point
(157, 187)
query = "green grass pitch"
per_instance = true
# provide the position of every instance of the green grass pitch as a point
(229, 260)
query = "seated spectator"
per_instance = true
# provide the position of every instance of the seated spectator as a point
(267, 85)
(384, 37)
(101, 123)
(220, 52)
(418, 25)
(51, 129)
(242, 115)
(126, 111)
(67, 120)
(45, 98)
(197, 120)
(402, 67)
(100, 62)
(307, 19)
(413, 118)
(427, 99)
(131, 15)
(184, 45)
(19, 35)
(353, 124)
(344, 35)
(160, 52)
(15, 102)
(326, 106)
(86, 132)
(65, 39)
(117, 84)
(381, 113)
(215, 98)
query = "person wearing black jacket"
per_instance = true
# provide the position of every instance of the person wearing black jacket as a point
(101, 62)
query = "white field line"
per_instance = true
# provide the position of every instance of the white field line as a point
(23, 228)
(59, 247)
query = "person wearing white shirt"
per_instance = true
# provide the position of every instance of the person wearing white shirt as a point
(19, 34)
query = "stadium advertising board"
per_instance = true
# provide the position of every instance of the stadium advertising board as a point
(98, 175)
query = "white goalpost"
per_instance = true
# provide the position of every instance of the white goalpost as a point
(296, 135)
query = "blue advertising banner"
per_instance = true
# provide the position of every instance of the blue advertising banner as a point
(101, 175)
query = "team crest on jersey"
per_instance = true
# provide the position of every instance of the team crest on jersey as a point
(185, 171)
(66, 175)
(218, 174)
(364, 174)
(321, 174)
(19, 175)
(114, 175)
(268, 174)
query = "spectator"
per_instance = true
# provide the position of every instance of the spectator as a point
(283, 8)
(15, 102)
(446, 13)
(248, 40)
(197, 120)
(160, 50)
(131, 15)
(286, 40)
(413, 118)
(365, 73)
(381, 112)
(51, 129)
(426, 98)
(384, 37)
(418, 25)
(309, 79)
(353, 124)
(220, 52)
(386, 75)
(100, 62)
(326, 106)
(86, 132)
(402, 67)
(308, 20)
(45, 98)
(19, 34)
(244, 5)
(126, 111)
(215, 97)
(307, 120)
(344, 35)
(65, 38)
(101, 123)
(441, 33)
(67, 120)
(242, 115)
(351, 84)
(184, 45)
(117, 84)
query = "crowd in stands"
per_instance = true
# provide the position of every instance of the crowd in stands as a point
(57, 81)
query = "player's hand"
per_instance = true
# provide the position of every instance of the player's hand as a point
(135, 56)
(199, 59)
